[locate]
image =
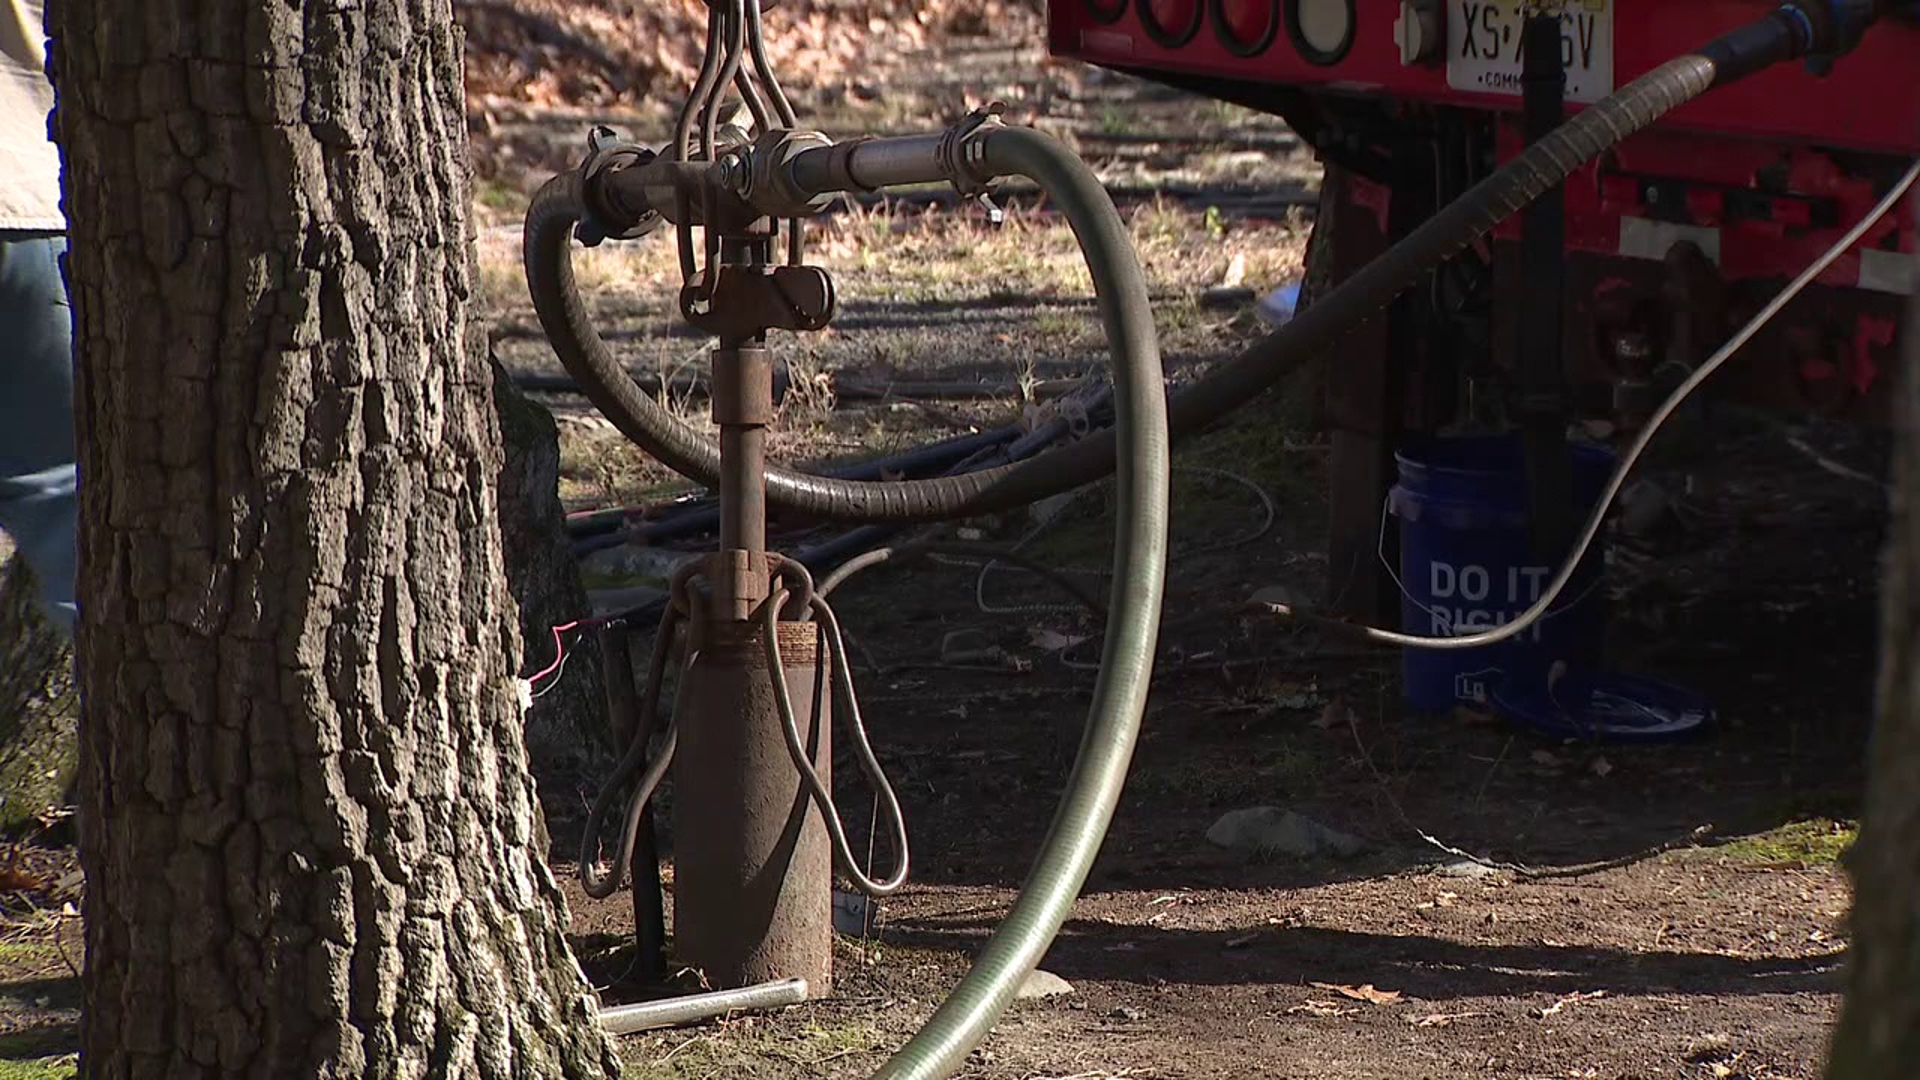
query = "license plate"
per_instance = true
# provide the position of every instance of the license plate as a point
(1483, 45)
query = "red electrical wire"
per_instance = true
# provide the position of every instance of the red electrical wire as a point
(559, 652)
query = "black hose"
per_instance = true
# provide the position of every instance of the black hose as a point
(1536, 169)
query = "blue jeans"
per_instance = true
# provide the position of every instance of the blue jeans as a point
(38, 477)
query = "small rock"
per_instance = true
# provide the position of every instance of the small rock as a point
(1468, 869)
(1128, 1013)
(1269, 830)
(632, 564)
(613, 601)
(1275, 594)
(1043, 984)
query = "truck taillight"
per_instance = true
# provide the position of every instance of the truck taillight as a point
(1246, 26)
(1322, 30)
(1170, 22)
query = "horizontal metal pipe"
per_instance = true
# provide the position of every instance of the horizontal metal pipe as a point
(647, 1015)
(875, 163)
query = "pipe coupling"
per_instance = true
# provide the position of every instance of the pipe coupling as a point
(962, 150)
(604, 213)
(767, 180)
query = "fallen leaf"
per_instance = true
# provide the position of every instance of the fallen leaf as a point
(1236, 271)
(20, 881)
(1541, 1014)
(1479, 717)
(1052, 640)
(1322, 1008)
(1361, 993)
(1335, 715)
(1721, 1070)
(1546, 759)
(1600, 767)
(1440, 1019)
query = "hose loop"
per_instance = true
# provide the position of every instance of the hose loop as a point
(597, 882)
(846, 704)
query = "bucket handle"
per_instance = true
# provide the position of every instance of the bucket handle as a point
(1380, 550)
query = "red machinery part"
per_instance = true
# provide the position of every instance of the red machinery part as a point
(1246, 27)
(1171, 23)
(1868, 102)
(1759, 210)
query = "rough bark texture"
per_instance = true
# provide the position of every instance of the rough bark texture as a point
(311, 841)
(39, 705)
(566, 728)
(1879, 1033)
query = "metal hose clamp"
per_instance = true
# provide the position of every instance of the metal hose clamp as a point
(962, 154)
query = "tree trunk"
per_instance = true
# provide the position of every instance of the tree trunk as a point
(311, 841)
(1879, 1033)
(38, 705)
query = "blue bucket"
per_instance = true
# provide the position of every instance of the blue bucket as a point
(1467, 564)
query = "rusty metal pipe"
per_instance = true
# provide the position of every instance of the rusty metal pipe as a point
(870, 164)
(753, 864)
(743, 500)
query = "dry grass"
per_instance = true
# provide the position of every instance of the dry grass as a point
(891, 260)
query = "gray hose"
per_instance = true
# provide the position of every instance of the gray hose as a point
(1536, 169)
(1120, 694)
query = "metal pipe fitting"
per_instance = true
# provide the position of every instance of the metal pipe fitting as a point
(957, 156)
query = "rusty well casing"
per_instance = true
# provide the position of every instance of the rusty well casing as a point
(753, 865)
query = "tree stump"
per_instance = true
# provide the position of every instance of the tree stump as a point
(566, 728)
(39, 706)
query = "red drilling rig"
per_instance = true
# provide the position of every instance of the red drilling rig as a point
(1588, 305)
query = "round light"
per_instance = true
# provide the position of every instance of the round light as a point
(1322, 30)
(1246, 26)
(1170, 22)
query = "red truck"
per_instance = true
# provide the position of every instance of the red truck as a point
(1593, 302)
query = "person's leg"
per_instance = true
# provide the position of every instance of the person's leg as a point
(38, 507)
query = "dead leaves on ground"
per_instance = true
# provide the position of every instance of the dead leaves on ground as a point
(1569, 999)
(1365, 993)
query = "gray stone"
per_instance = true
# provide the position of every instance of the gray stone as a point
(631, 564)
(627, 598)
(1042, 984)
(1468, 869)
(1270, 831)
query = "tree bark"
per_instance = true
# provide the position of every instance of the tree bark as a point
(311, 841)
(1879, 1033)
(39, 706)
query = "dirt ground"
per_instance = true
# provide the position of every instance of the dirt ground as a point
(1672, 911)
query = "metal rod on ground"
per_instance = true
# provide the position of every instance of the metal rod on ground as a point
(648, 1015)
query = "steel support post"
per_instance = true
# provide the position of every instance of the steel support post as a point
(753, 864)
